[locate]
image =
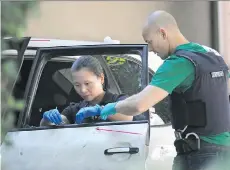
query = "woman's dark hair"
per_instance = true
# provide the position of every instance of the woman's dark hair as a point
(88, 62)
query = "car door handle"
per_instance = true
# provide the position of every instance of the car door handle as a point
(118, 150)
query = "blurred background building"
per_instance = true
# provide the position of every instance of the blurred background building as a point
(204, 22)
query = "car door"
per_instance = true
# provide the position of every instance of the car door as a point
(19, 45)
(107, 145)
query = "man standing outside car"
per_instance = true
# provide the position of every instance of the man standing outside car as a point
(196, 78)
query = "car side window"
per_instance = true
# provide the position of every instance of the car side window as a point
(127, 73)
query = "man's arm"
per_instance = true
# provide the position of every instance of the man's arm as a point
(118, 116)
(142, 101)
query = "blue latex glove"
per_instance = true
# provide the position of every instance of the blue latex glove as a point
(107, 110)
(53, 116)
(87, 112)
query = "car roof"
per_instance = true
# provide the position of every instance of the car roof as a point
(154, 61)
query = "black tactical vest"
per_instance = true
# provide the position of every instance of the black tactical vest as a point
(204, 107)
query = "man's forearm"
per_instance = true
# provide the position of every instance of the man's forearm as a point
(142, 101)
(128, 106)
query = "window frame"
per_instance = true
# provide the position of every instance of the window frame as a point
(44, 54)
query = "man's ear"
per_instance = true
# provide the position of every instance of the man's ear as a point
(163, 33)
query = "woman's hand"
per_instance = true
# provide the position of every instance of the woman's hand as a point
(53, 116)
(87, 112)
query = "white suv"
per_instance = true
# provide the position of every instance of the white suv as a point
(45, 84)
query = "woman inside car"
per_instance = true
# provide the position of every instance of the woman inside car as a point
(88, 81)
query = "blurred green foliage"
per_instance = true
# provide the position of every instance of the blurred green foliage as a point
(13, 21)
(14, 16)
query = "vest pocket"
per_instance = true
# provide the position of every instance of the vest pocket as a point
(196, 114)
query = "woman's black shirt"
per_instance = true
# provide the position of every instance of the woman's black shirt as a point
(71, 111)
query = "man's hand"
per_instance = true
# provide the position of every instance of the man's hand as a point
(107, 110)
(87, 112)
(53, 116)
